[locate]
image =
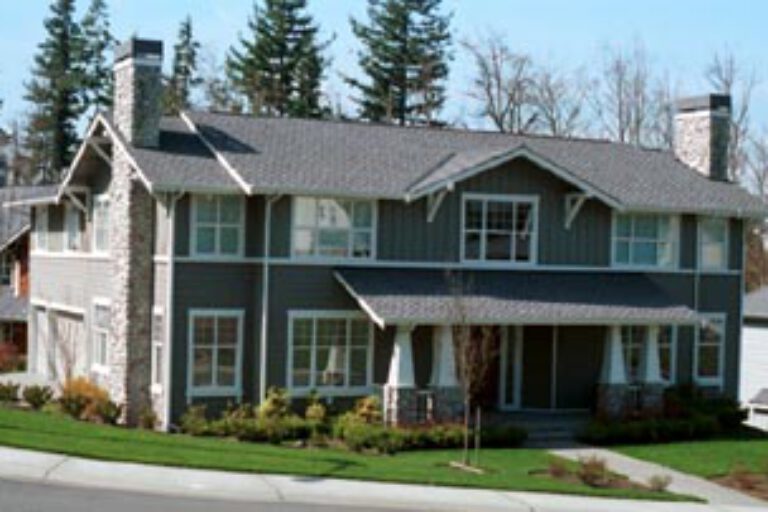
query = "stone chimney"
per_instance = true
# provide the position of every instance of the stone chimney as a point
(139, 91)
(703, 132)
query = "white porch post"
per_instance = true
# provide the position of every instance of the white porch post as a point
(401, 364)
(613, 370)
(443, 358)
(651, 366)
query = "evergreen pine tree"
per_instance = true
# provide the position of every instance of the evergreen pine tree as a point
(54, 92)
(97, 41)
(184, 76)
(279, 66)
(404, 58)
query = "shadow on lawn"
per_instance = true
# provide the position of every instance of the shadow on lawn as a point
(337, 466)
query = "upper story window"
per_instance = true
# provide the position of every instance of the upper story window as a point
(333, 228)
(499, 228)
(713, 243)
(645, 240)
(101, 224)
(217, 225)
(72, 222)
(41, 229)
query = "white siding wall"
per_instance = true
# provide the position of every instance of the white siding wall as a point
(754, 362)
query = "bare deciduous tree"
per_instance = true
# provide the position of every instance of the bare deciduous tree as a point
(559, 101)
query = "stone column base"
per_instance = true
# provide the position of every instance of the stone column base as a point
(652, 399)
(400, 405)
(611, 401)
(448, 405)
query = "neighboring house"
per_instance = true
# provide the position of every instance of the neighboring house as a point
(753, 386)
(14, 278)
(205, 258)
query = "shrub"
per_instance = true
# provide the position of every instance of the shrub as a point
(276, 404)
(502, 436)
(359, 436)
(593, 472)
(194, 421)
(103, 411)
(37, 396)
(148, 419)
(82, 399)
(557, 467)
(234, 420)
(651, 431)
(9, 392)
(659, 483)
(368, 410)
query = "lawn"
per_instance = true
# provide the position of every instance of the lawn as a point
(708, 459)
(509, 469)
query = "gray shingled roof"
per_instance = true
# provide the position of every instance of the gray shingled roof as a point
(12, 308)
(14, 220)
(756, 304)
(292, 155)
(416, 296)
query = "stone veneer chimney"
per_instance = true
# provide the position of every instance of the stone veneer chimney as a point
(137, 113)
(139, 91)
(703, 132)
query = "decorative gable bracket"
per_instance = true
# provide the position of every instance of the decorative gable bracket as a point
(434, 201)
(573, 203)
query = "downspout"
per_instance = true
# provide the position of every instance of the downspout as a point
(266, 244)
(168, 313)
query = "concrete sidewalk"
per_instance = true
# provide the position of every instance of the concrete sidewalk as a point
(641, 471)
(43, 467)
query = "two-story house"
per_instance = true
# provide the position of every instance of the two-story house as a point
(207, 257)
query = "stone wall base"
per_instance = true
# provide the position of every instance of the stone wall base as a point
(400, 405)
(448, 404)
(612, 401)
(652, 399)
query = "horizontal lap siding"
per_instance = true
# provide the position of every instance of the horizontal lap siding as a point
(70, 281)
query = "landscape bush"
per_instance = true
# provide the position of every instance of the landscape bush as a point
(83, 399)
(37, 396)
(603, 433)
(502, 436)
(9, 392)
(593, 472)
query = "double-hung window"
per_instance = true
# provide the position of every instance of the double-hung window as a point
(73, 220)
(100, 336)
(500, 228)
(217, 225)
(645, 240)
(216, 342)
(713, 243)
(710, 349)
(330, 352)
(101, 224)
(333, 228)
(41, 228)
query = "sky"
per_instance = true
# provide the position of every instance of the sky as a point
(680, 36)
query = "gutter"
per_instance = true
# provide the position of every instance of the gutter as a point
(266, 246)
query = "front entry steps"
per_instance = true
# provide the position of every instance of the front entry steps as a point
(546, 429)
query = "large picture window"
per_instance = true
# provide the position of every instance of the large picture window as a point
(500, 228)
(330, 352)
(713, 243)
(645, 240)
(218, 225)
(710, 344)
(333, 228)
(215, 352)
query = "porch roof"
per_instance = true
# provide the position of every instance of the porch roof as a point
(407, 296)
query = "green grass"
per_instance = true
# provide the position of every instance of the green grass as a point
(707, 459)
(505, 469)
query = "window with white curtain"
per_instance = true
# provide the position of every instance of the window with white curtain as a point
(645, 240)
(713, 243)
(333, 228)
(218, 225)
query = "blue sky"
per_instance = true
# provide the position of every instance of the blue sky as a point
(680, 35)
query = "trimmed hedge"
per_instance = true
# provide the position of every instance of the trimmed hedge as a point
(651, 431)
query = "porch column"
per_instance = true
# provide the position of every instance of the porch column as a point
(448, 396)
(400, 399)
(652, 397)
(612, 388)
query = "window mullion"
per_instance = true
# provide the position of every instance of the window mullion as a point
(215, 352)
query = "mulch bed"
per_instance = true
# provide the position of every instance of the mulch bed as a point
(754, 484)
(613, 481)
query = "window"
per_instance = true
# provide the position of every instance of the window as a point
(633, 343)
(101, 224)
(157, 349)
(333, 228)
(215, 352)
(713, 243)
(710, 343)
(100, 335)
(645, 240)
(500, 228)
(72, 222)
(6, 269)
(217, 225)
(41, 228)
(330, 352)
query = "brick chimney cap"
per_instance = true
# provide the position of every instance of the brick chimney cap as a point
(707, 102)
(135, 48)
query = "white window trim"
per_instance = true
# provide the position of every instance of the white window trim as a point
(97, 200)
(327, 391)
(675, 230)
(316, 257)
(155, 367)
(217, 254)
(215, 391)
(699, 247)
(98, 368)
(720, 379)
(507, 198)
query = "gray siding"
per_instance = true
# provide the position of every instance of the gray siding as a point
(70, 281)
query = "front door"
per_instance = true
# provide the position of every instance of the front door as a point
(511, 367)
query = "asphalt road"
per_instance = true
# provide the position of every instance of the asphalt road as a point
(37, 497)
